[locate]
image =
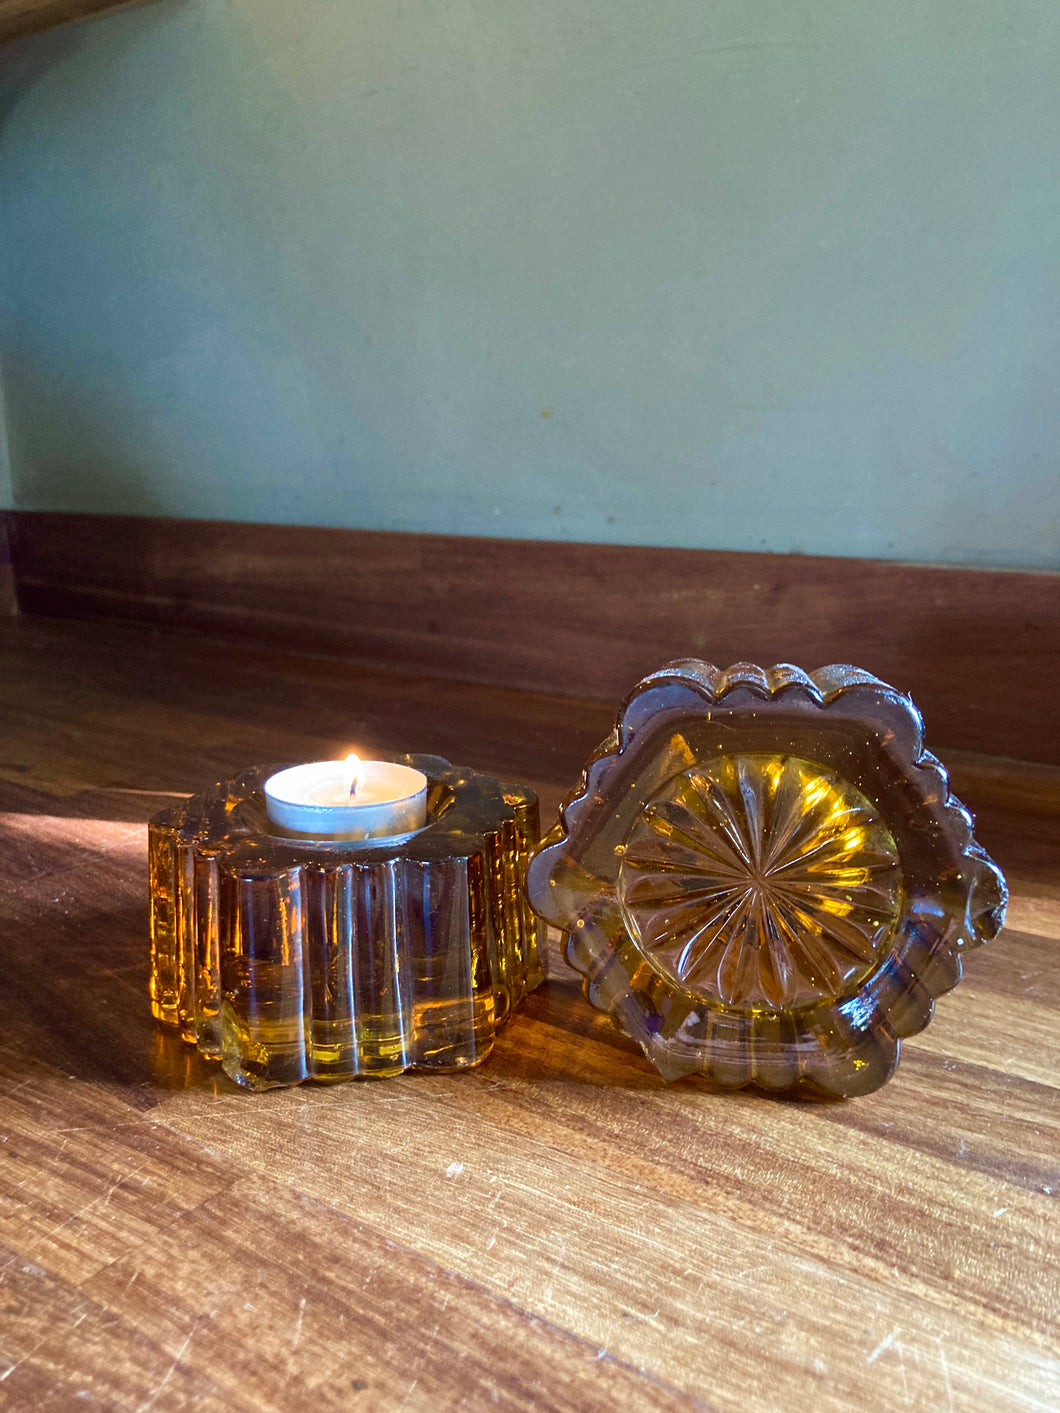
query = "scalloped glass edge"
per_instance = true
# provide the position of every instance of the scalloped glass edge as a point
(293, 960)
(837, 1047)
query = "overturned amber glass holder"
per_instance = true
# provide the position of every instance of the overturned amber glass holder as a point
(764, 878)
(301, 959)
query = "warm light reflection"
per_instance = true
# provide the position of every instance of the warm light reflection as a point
(100, 804)
(73, 830)
(761, 881)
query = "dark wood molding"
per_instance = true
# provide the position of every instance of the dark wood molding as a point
(8, 589)
(21, 17)
(977, 648)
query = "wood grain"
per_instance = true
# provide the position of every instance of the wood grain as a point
(557, 1230)
(19, 17)
(8, 587)
(978, 649)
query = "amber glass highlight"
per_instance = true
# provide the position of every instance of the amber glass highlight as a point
(761, 880)
(764, 878)
(294, 959)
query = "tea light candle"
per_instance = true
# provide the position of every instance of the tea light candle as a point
(350, 799)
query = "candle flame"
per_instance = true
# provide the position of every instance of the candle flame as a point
(353, 771)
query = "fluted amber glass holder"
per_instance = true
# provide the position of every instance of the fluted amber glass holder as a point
(764, 877)
(295, 959)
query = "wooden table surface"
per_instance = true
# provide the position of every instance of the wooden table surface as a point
(558, 1229)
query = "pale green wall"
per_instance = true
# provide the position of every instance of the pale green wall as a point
(731, 273)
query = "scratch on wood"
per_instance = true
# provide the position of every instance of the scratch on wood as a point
(884, 1343)
(169, 1372)
(298, 1326)
(19, 1362)
(945, 1372)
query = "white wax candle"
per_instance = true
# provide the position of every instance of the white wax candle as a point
(350, 799)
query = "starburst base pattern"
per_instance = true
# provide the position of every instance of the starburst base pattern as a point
(761, 881)
(764, 878)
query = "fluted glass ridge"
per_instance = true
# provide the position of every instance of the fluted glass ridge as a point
(293, 960)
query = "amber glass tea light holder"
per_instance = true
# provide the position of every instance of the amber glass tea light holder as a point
(293, 957)
(764, 878)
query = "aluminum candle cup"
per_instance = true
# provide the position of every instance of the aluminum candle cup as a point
(334, 799)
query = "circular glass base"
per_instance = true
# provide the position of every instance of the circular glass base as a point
(761, 881)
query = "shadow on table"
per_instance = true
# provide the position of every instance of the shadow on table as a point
(76, 999)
